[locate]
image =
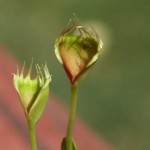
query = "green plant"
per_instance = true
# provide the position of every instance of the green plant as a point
(33, 95)
(77, 48)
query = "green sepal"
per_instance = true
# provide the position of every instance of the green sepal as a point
(38, 106)
(64, 147)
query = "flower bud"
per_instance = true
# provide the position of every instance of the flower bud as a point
(33, 93)
(77, 48)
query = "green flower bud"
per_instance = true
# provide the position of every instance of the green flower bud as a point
(77, 48)
(33, 93)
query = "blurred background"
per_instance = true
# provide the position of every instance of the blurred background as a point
(114, 99)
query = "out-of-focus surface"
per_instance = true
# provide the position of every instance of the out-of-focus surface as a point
(115, 98)
(51, 127)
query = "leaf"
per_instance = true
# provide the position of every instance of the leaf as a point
(64, 147)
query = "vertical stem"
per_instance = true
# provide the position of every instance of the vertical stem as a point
(32, 136)
(73, 105)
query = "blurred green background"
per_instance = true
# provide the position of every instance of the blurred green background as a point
(114, 99)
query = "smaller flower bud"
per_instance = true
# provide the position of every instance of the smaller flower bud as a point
(33, 93)
(77, 48)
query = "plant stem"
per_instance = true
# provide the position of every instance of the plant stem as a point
(32, 136)
(73, 105)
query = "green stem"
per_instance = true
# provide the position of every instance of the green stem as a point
(32, 136)
(73, 105)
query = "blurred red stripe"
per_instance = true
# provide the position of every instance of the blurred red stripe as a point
(52, 126)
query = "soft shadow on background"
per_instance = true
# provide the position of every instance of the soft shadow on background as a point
(114, 99)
